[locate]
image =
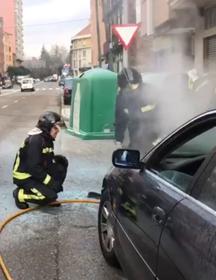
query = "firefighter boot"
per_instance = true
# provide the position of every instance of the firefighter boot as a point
(20, 205)
(55, 203)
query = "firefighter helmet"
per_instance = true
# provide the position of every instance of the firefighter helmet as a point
(129, 76)
(47, 120)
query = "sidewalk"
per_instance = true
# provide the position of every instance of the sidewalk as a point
(65, 112)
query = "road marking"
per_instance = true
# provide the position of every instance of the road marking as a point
(15, 101)
(4, 107)
(37, 89)
(50, 89)
(43, 89)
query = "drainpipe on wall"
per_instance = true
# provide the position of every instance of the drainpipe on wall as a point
(150, 25)
(98, 33)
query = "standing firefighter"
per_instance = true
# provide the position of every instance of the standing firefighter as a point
(137, 110)
(37, 172)
(121, 116)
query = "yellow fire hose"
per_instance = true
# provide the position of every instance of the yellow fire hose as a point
(3, 266)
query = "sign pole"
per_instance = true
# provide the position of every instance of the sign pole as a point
(125, 58)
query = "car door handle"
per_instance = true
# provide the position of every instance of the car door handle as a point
(158, 215)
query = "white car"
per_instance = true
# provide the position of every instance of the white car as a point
(27, 84)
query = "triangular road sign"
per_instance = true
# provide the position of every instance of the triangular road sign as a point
(125, 33)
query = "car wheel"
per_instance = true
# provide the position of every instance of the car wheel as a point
(105, 230)
(22, 90)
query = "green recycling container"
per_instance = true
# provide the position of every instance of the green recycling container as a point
(92, 113)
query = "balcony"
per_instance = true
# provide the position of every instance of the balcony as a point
(185, 4)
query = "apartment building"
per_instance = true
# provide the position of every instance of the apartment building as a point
(204, 30)
(1, 47)
(12, 14)
(19, 29)
(8, 54)
(81, 49)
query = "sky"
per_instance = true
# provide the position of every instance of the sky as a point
(50, 22)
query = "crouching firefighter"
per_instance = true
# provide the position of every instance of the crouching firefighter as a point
(37, 172)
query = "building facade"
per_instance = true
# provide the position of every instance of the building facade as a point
(8, 53)
(201, 17)
(12, 14)
(19, 29)
(1, 47)
(172, 32)
(81, 50)
(7, 12)
(98, 33)
(139, 12)
(113, 11)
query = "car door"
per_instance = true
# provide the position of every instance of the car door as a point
(148, 200)
(143, 206)
(130, 238)
(186, 242)
(189, 231)
(188, 238)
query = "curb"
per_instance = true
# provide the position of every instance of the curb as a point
(65, 112)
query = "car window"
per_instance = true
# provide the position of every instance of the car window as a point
(208, 192)
(201, 144)
(180, 166)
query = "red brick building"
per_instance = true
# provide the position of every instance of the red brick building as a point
(98, 32)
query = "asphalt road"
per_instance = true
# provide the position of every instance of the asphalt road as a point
(50, 243)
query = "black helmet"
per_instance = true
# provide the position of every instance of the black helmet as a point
(47, 120)
(129, 76)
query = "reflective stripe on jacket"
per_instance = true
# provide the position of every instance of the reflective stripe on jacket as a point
(33, 159)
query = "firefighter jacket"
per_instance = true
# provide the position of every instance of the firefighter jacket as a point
(140, 106)
(34, 158)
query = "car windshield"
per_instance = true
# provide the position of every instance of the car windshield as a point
(200, 145)
(27, 81)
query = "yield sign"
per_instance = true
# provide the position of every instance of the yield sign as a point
(126, 33)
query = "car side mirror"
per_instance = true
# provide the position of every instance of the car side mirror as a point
(130, 159)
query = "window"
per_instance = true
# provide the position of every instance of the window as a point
(208, 192)
(84, 53)
(210, 17)
(181, 164)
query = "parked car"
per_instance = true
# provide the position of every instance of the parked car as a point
(61, 81)
(7, 84)
(37, 80)
(47, 79)
(157, 215)
(68, 86)
(20, 78)
(27, 84)
(54, 78)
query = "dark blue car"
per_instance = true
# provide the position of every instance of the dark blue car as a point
(157, 215)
